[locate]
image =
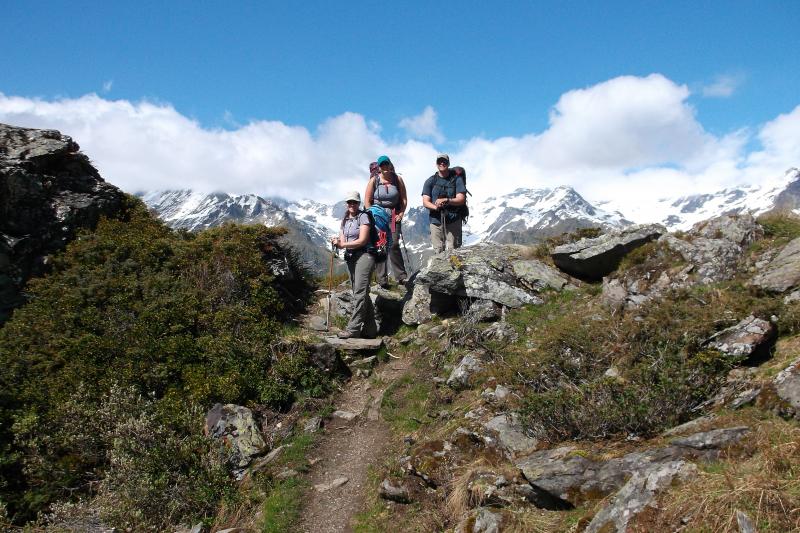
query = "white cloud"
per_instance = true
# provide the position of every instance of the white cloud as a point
(424, 126)
(629, 139)
(723, 86)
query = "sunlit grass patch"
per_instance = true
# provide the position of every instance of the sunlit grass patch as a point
(765, 485)
(405, 403)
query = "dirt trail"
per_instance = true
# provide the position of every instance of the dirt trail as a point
(348, 449)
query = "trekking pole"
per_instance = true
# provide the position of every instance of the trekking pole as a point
(330, 290)
(408, 257)
(444, 230)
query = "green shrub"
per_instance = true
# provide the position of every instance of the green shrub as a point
(665, 371)
(185, 319)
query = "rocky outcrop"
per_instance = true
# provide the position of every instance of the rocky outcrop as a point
(591, 259)
(48, 191)
(710, 252)
(637, 493)
(236, 427)
(462, 374)
(750, 340)
(567, 474)
(783, 272)
(787, 387)
(481, 273)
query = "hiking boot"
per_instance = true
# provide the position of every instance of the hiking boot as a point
(402, 281)
(347, 335)
(384, 285)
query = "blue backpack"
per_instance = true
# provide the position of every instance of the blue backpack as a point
(380, 233)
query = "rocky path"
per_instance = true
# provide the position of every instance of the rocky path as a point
(346, 451)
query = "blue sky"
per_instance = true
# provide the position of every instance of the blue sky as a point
(415, 77)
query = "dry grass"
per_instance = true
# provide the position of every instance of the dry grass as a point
(766, 486)
(532, 520)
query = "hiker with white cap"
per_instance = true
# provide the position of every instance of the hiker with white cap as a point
(354, 238)
(445, 194)
(387, 190)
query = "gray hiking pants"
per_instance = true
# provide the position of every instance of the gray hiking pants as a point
(452, 236)
(395, 258)
(362, 322)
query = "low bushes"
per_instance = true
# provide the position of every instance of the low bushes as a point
(182, 320)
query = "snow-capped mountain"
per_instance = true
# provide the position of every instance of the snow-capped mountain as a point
(195, 211)
(524, 216)
(681, 213)
(529, 215)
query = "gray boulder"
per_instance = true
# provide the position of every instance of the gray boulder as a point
(594, 258)
(511, 435)
(712, 251)
(783, 272)
(417, 309)
(461, 375)
(751, 339)
(395, 492)
(637, 493)
(486, 273)
(236, 427)
(483, 520)
(787, 387)
(49, 190)
(570, 476)
(714, 439)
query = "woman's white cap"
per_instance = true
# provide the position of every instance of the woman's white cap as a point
(353, 197)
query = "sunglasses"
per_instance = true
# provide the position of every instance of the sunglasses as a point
(352, 202)
(443, 162)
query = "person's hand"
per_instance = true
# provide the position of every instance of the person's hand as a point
(441, 201)
(335, 241)
(398, 217)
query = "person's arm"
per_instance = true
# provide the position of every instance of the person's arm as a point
(337, 241)
(403, 204)
(369, 192)
(363, 237)
(427, 190)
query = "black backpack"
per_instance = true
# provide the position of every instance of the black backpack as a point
(462, 211)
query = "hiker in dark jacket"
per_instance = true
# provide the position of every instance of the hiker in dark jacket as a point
(388, 190)
(353, 239)
(443, 194)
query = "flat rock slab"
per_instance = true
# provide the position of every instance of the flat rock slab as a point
(336, 483)
(354, 344)
(750, 339)
(344, 415)
(594, 258)
(787, 386)
(783, 272)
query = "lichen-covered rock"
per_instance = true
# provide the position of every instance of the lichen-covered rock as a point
(48, 191)
(572, 476)
(594, 258)
(511, 435)
(783, 272)
(486, 272)
(395, 492)
(787, 387)
(715, 439)
(712, 251)
(751, 339)
(637, 493)
(461, 375)
(483, 520)
(236, 427)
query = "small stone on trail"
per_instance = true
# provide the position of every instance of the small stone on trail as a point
(336, 483)
(345, 415)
